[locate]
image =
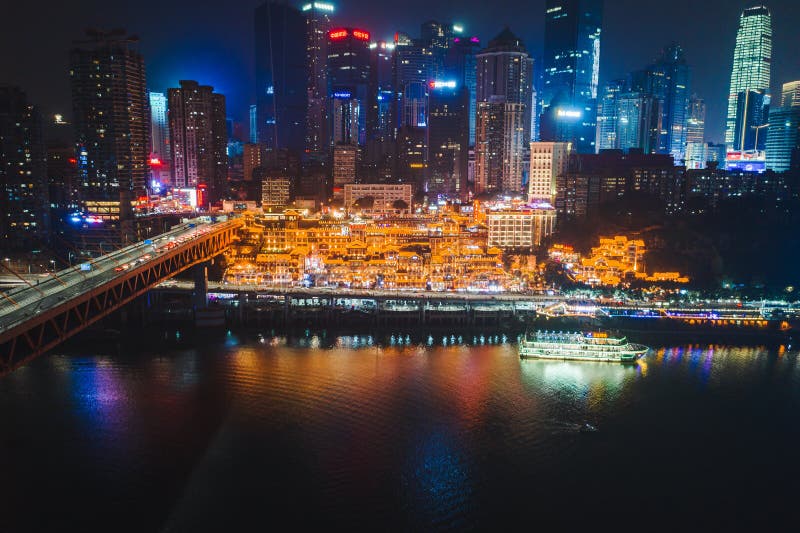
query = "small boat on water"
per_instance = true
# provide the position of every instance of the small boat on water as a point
(587, 346)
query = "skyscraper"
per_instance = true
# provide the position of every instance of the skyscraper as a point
(504, 96)
(461, 66)
(111, 124)
(607, 114)
(349, 82)
(571, 72)
(24, 209)
(752, 112)
(159, 139)
(448, 138)
(638, 122)
(783, 140)
(696, 122)
(199, 139)
(548, 161)
(281, 76)
(667, 79)
(317, 26)
(752, 59)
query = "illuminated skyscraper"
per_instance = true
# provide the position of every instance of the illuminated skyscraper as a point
(607, 114)
(281, 76)
(317, 25)
(548, 161)
(783, 140)
(461, 66)
(109, 100)
(448, 138)
(571, 72)
(638, 122)
(504, 75)
(752, 59)
(24, 209)
(348, 84)
(159, 128)
(199, 138)
(667, 79)
(696, 122)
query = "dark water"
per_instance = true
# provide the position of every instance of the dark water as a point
(248, 434)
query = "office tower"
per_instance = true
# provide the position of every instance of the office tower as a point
(281, 76)
(790, 94)
(461, 66)
(638, 122)
(276, 191)
(667, 79)
(571, 72)
(752, 59)
(438, 38)
(253, 123)
(696, 120)
(448, 138)
(349, 77)
(548, 161)
(318, 23)
(379, 162)
(109, 101)
(24, 207)
(783, 139)
(159, 128)
(199, 139)
(345, 159)
(503, 95)
(607, 114)
(752, 112)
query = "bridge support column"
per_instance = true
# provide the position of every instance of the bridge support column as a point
(200, 292)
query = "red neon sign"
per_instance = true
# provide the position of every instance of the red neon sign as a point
(337, 35)
(155, 162)
(361, 35)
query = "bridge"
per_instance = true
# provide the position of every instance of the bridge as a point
(36, 317)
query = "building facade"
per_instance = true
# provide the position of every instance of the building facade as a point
(548, 161)
(317, 15)
(199, 138)
(109, 100)
(571, 72)
(752, 62)
(526, 228)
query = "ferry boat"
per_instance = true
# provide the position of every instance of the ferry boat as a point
(589, 346)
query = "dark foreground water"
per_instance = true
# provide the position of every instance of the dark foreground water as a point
(261, 434)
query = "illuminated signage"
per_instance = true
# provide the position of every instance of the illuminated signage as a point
(437, 84)
(568, 113)
(361, 35)
(458, 28)
(322, 6)
(342, 95)
(155, 162)
(337, 35)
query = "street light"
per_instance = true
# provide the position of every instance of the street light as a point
(53, 263)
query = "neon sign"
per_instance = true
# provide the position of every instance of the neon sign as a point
(337, 35)
(361, 35)
(442, 84)
(343, 95)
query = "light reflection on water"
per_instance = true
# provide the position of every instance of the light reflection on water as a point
(414, 430)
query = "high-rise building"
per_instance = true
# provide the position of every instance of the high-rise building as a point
(752, 59)
(380, 152)
(752, 113)
(318, 23)
(438, 38)
(548, 161)
(448, 137)
(109, 99)
(504, 75)
(199, 138)
(281, 76)
(159, 128)
(667, 79)
(345, 159)
(696, 121)
(24, 208)
(251, 159)
(253, 123)
(607, 114)
(571, 72)
(349, 82)
(638, 122)
(783, 139)
(461, 67)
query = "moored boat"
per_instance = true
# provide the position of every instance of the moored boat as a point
(587, 346)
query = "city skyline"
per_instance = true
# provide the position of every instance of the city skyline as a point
(213, 58)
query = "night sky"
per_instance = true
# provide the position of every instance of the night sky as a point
(187, 39)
